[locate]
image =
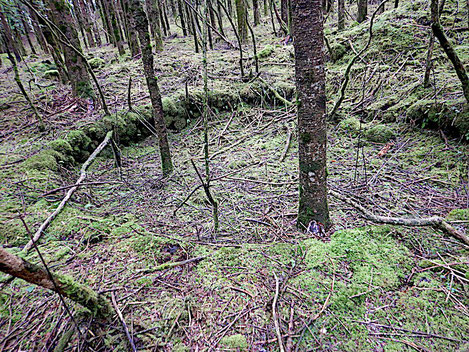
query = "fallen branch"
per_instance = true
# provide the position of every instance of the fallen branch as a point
(70, 192)
(276, 94)
(275, 315)
(434, 221)
(124, 325)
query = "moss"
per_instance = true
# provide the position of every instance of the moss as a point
(96, 62)
(80, 143)
(380, 133)
(45, 160)
(265, 52)
(350, 124)
(458, 214)
(337, 51)
(49, 74)
(235, 342)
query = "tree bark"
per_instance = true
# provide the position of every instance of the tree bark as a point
(310, 86)
(181, 18)
(448, 48)
(86, 16)
(241, 18)
(133, 41)
(140, 23)
(362, 10)
(256, 13)
(155, 23)
(38, 31)
(341, 15)
(10, 42)
(66, 286)
(114, 25)
(77, 73)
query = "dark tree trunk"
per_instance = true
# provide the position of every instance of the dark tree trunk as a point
(155, 27)
(77, 73)
(241, 18)
(362, 10)
(256, 13)
(133, 41)
(448, 48)
(114, 25)
(220, 18)
(80, 23)
(161, 17)
(139, 20)
(106, 24)
(65, 285)
(428, 61)
(284, 10)
(341, 14)
(38, 32)
(10, 42)
(181, 18)
(87, 22)
(310, 87)
(29, 35)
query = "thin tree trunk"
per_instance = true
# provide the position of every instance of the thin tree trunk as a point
(10, 43)
(133, 40)
(256, 13)
(310, 86)
(87, 22)
(341, 15)
(448, 48)
(65, 285)
(140, 22)
(428, 62)
(113, 22)
(38, 32)
(181, 17)
(77, 73)
(155, 27)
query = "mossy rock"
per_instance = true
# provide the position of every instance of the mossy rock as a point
(45, 160)
(235, 342)
(265, 52)
(380, 133)
(80, 143)
(350, 124)
(50, 74)
(96, 62)
(338, 51)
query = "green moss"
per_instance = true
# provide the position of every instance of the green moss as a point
(49, 74)
(350, 124)
(80, 143)
(458, 214)
(96, 62)
(380, 133)
(236, 342)
(265, 52)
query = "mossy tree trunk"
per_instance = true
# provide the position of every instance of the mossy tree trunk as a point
(140, 23)
(155, 23)
(255, 12)
(114, 25)
(38, 31)
(66, 286)
(310, 86)
(133, 40)
(27, 30)
(181, 17)
(80, 22)
(362, 10)
(86, 23)
(106, 22)
(341, 15)
(448, 48)
(241, 10)
(10, 42)
(77, 73)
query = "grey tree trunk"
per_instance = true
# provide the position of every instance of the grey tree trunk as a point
(140, 23)
(362, 10)
(310, 86)
(241, 10)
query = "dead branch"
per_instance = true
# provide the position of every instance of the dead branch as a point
(170, 265)
(434, 221)
(124, 325)
(70, 192)
(275, 314)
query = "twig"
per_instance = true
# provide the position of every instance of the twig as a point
(275, 314)
(70, 192)
(273, 90)
(121, 318)
(434, 221)
(170, 265)
(287, 146)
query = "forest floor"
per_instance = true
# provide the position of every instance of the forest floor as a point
(361, 288)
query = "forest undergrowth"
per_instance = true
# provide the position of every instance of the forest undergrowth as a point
(361, 287)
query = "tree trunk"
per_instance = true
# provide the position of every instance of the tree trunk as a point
(140, 23)
(86, 16)
(428, 61)
(114, 25)
(362, 10)
(155, 25)
(133, 41)
(65, 285)
(310, 86)
(448, 48)
(341, 15)
(256, 13)
(241, 17)
(77, 73)
(181, 18)
(38, 31)
(106, 23)
(10, 43)
(80, 22)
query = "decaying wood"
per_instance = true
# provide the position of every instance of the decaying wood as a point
(35, 274)
(434, 221)
(70, 192)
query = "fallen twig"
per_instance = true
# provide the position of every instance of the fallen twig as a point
(275, 314)
(124, 325)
